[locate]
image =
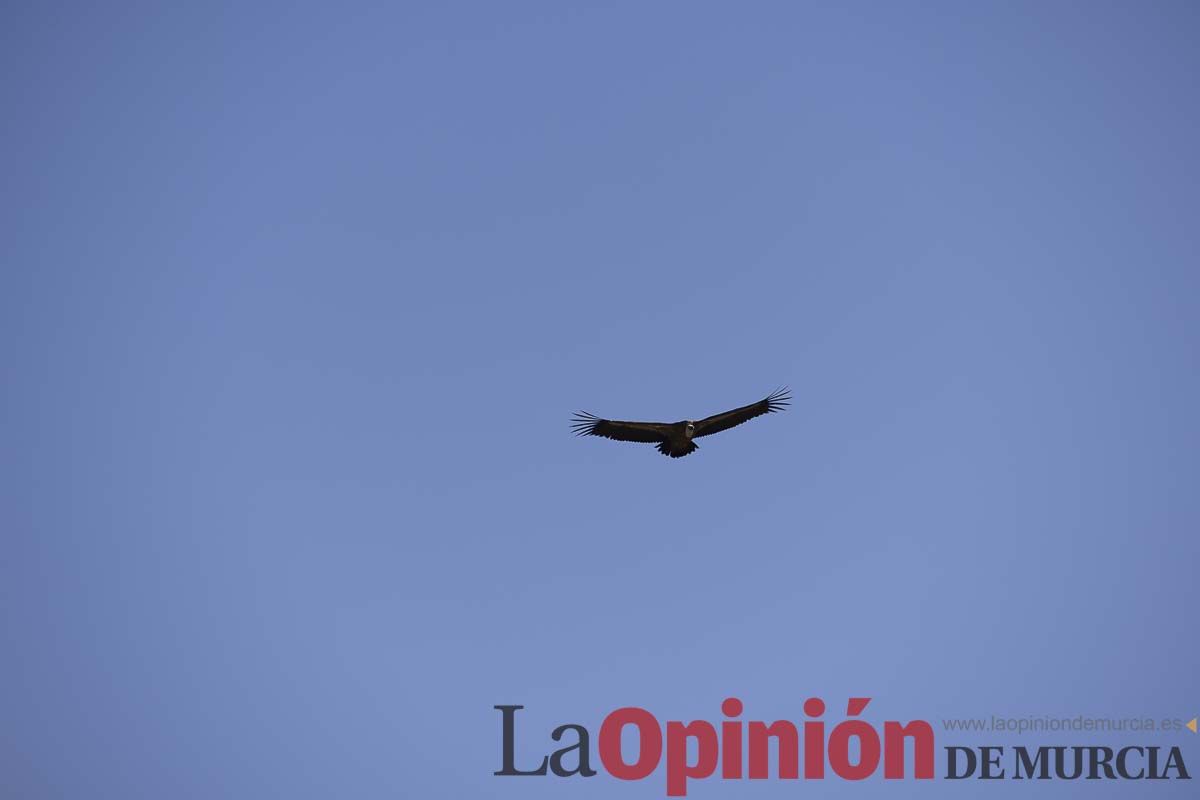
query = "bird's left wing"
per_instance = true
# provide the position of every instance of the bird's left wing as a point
(585, 424)
(777, 401)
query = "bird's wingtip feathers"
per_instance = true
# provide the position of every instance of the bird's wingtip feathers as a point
(779, 399)
(584, 423)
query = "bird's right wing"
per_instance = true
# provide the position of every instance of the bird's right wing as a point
(776, 401)
(585, 424)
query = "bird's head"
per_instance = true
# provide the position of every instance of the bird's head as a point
(690, 429)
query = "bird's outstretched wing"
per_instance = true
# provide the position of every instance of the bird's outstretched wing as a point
(776, 401)
(585, 424)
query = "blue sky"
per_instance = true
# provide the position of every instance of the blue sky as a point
(297, 302)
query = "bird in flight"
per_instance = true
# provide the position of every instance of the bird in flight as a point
(676, 439)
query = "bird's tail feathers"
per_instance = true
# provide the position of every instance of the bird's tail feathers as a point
(666, 449)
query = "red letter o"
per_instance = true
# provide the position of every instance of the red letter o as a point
(649, 743)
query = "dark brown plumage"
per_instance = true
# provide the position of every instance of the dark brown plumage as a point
(676, 439)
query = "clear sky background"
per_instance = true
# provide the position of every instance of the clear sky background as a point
(296, 303)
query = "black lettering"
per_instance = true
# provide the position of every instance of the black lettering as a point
(1098, 763)
(952, 763)
(1040, 763)
(988, 761)
(1123, 770)
(581, 746)
(510, 726)
(1175, 759)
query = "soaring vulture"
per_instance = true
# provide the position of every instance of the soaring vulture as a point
(675, 439)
